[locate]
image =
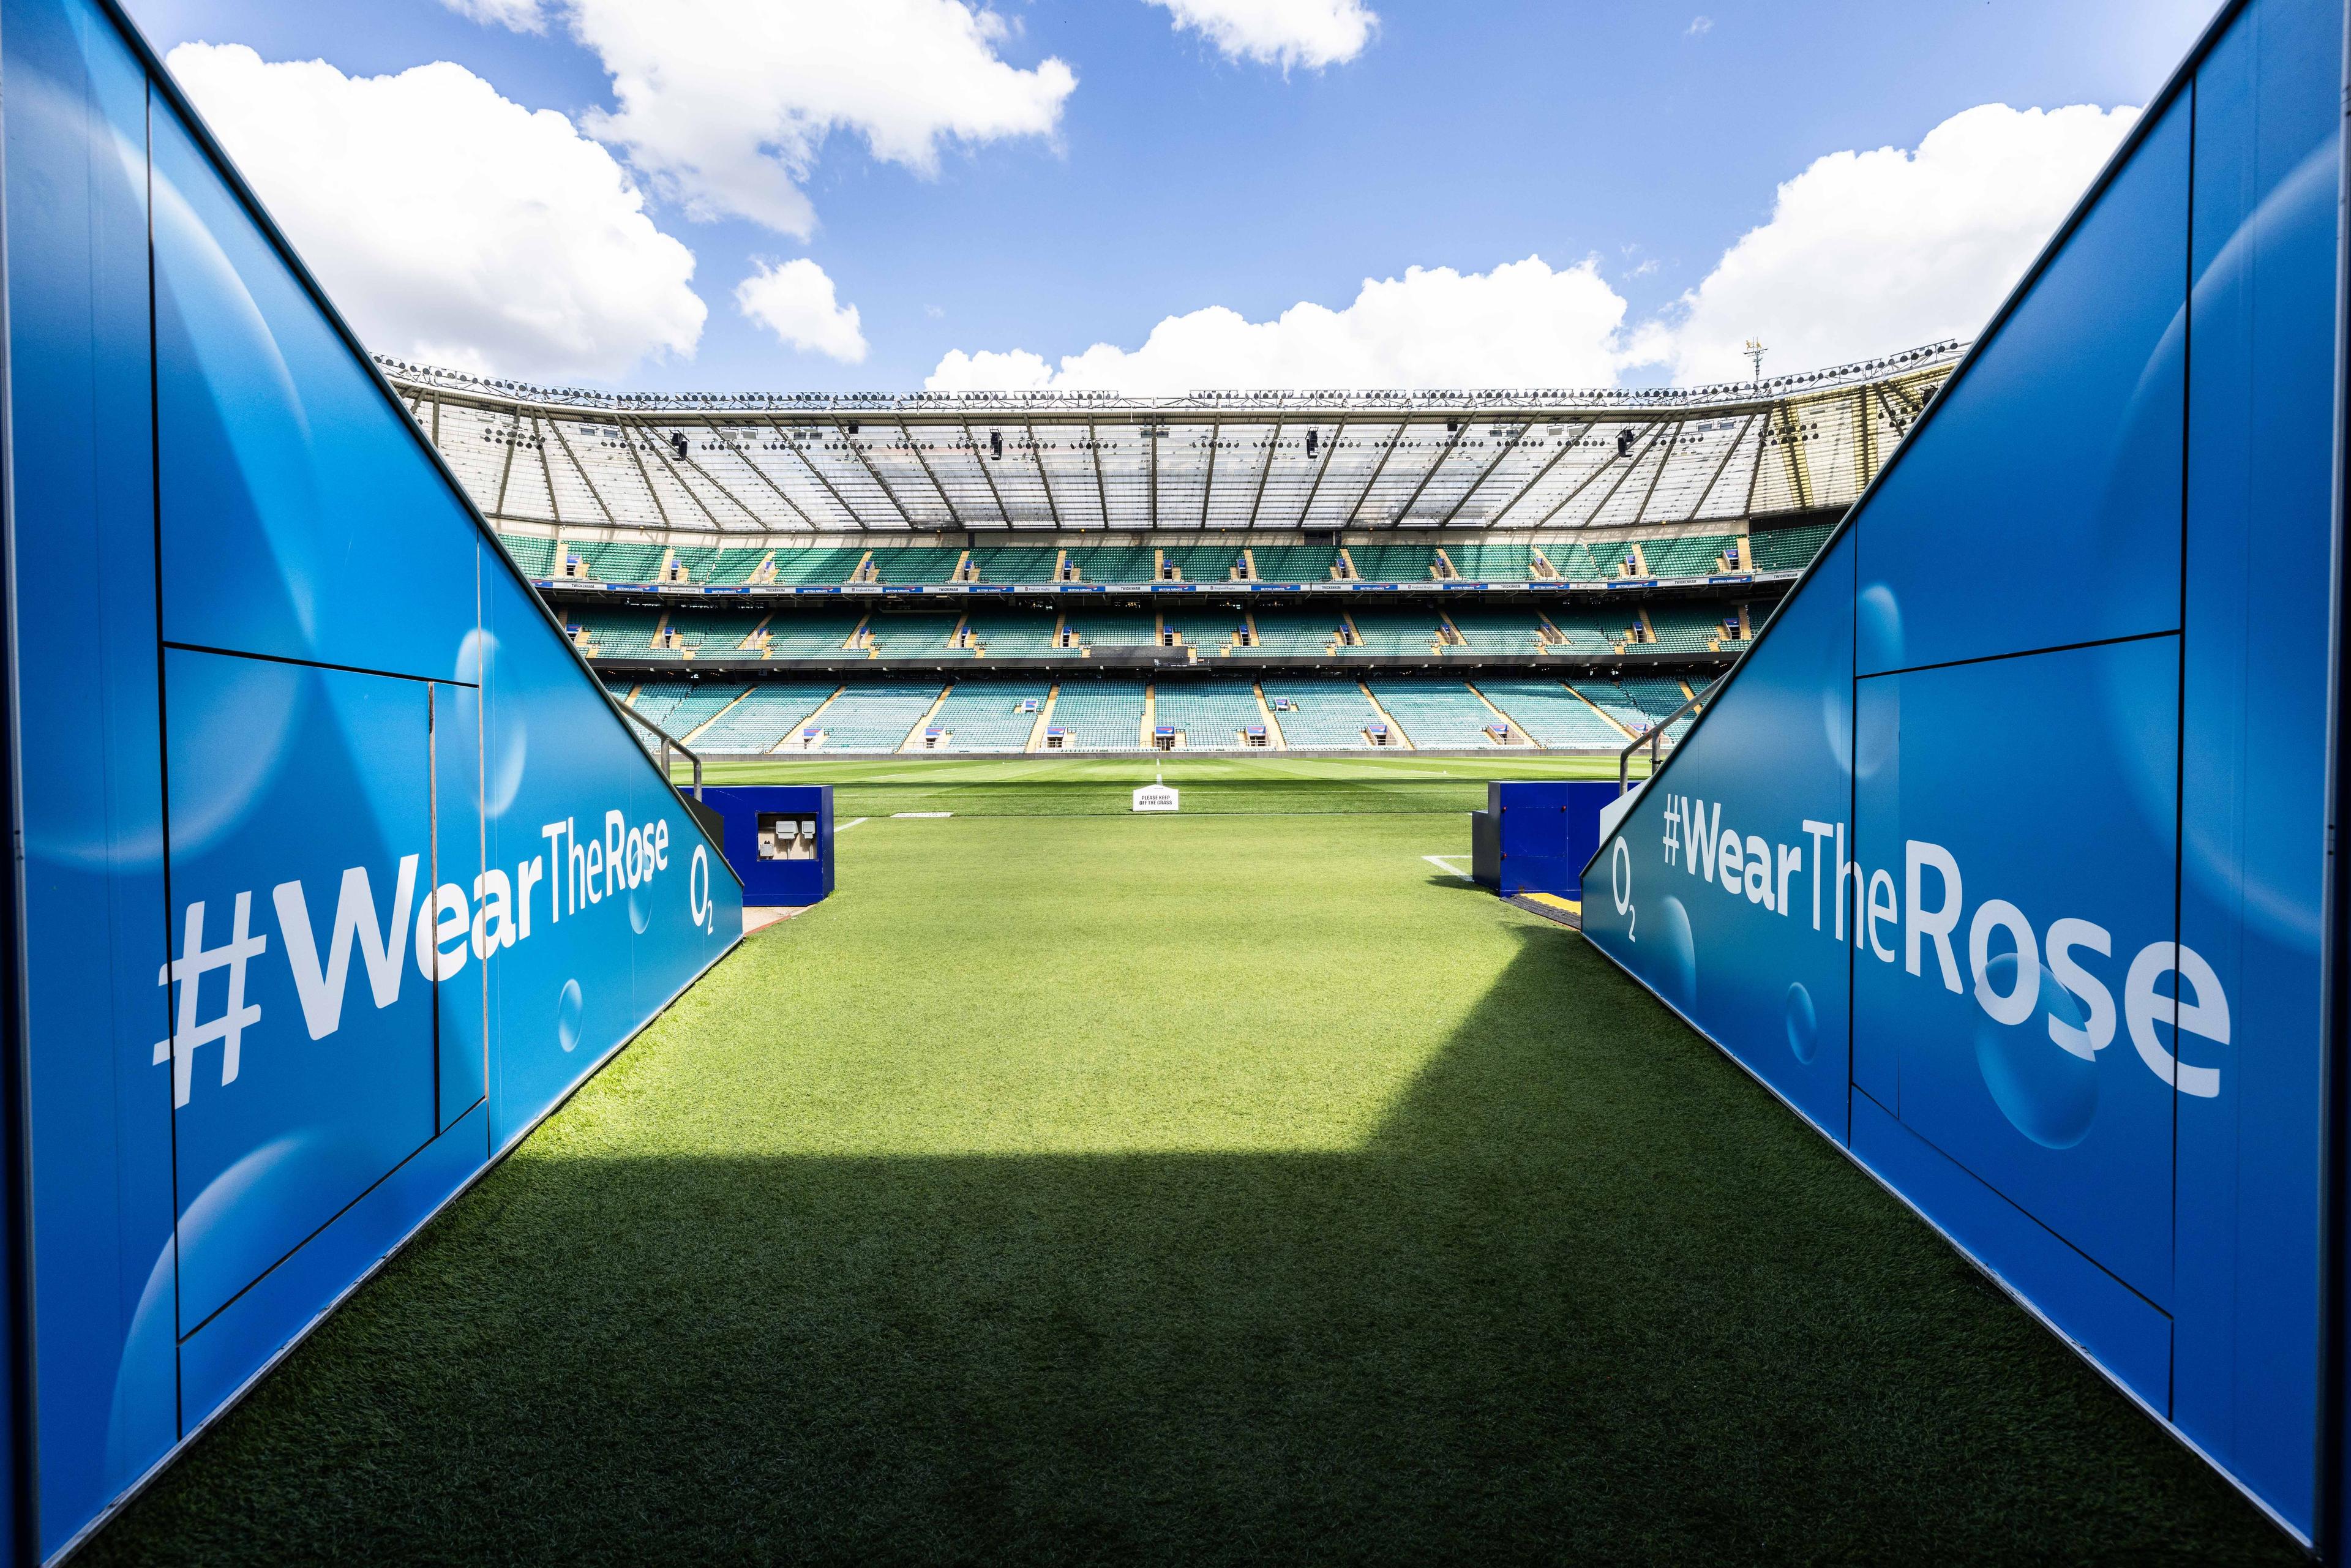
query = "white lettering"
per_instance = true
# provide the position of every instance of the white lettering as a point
(322, 991)
(1933, 925)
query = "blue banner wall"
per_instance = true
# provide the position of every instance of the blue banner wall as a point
(2003, 855)
(339, 870)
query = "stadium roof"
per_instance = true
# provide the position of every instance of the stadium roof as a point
(929, 462)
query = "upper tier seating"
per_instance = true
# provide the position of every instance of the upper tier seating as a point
(1658, 696)
(770, 712)
(1294, 563)
(1788, 549)
(1434, 713)
(817, 565)
(1296, 630)
(610, 561)
(1099, 715)
(1112, 563)
(1015, 563)
(1499, 630)
(876, 715)
(1578, 560)
(1700, 556)
(1617, 704)
(1492, 562)
(915, 564)
(711, 633)
(536, 556)
(1323, 713)
(1394, 563)
(985, 715)
(1550, 713)
(1012, 633)
(698, 561)
(1209, 714)
(1393, 632)
(1202, 563)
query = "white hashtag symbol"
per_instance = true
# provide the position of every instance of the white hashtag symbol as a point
(189, 968)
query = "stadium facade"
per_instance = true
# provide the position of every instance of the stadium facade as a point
(1537, 571)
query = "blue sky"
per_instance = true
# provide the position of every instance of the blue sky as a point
(1646, 138)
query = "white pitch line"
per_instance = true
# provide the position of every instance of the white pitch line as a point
(849, 824)
(1438, 862)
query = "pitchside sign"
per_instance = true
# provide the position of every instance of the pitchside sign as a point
(339, 868)
(1156, 797)
(2011, 879)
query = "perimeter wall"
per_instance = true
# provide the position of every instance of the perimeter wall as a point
(338, 869)
(2002, 857)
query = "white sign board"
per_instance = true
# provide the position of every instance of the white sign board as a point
(1155, 797)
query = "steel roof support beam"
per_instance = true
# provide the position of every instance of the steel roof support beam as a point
(1586, 484)
(1460, 433)
(849, 442)
(1272, 446)
(817, 474)
(915, 448)
(670, 462)
(593, 494)
(1485, 473)
(1354, 513)
(1330, 450)
(506, 470)
(1037, 456)
(643, 477)
(547, 466)
(769, 481)
(1729, 450)
(971, 443)
(1208, 488)
(1102, 487)
(1664, 456)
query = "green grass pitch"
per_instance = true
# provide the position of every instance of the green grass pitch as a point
(1230, 1187)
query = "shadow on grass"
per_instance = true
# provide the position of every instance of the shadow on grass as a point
(1587, 1295)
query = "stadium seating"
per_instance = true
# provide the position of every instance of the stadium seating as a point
(910, 633)
(762, 718)
(1015, 563)
(875, 715)
(1575, 558)
(1594, 631)
(1499, 630)
(1491, 562)
(710, 634)
(617, 634)
(1689, 628)
(1657, 696)
(985, 715)
(536, 556)
(1202, 563)
(1114, 563)
(1324, 713)
(1434, 712)
(1395, 631)
(818, 566)
(1294, 563)
(682, 707)
(1011, 633)
(1114, 628)
(917, 564)
(611, 562)
(1394, 563)
(1788, 549)
(812, 635)
(1209, 630)
(1616, 703)
(1698, 556)
(1296, 632)
(1554, 715)
(1096, 714)
(1210, 715)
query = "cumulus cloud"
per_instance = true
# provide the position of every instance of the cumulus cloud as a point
(1285, 33)
(725, 105)
(796, 302)
(1867, 252)
(1522, 324)
(449, 224)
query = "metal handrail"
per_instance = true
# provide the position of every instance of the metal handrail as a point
(668, 743)
(1655, 737)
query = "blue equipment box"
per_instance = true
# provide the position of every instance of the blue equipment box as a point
(1534, 836)
(778, 839)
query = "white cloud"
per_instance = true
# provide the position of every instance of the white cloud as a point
(1285, 33)
(796, 301)
(449, 224)
(1698, 28)
(522, 16)
(1522, 324)
(1868, 252)
(725, 105)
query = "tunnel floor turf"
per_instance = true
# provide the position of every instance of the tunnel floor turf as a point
(1202, 1189)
